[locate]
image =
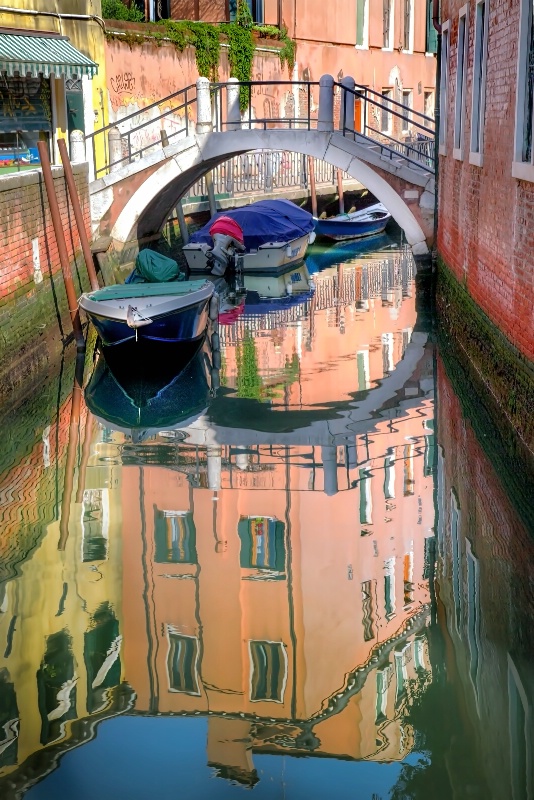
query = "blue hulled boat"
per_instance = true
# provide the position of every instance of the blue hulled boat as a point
(155, 304)
(367, 222)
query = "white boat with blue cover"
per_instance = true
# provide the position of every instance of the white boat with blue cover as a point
(261, 237)
(169, 310)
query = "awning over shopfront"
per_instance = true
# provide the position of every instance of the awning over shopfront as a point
(34, 54)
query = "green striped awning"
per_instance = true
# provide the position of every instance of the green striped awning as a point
(32, 54)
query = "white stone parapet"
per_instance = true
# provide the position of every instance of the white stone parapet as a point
(204, 117)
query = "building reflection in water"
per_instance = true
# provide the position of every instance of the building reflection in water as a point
(266, 566)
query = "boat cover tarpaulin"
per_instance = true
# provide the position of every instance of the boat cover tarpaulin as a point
(262, 222)
(154, 267)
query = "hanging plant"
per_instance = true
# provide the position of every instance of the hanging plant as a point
(203, 37)
(241, 49)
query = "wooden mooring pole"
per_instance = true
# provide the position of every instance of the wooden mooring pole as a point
(70, 466)
(72, 300)
(78, 215)
(340, 191)
(313, 190)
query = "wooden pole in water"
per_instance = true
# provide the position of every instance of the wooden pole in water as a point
(340, 191)
(70, 465)
(86, 452)
(61, 247)
(313, 190)
(211, 193)
(184, 232)
(78, 215)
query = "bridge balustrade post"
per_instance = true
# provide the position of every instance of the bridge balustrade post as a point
(233, 113)
(268, 180)
(329, 458)
(204, 118)
(346, 107)
(325, 119)
(77, 147)
(114, 149)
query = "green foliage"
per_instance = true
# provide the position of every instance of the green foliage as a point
(116, 9)
(241, 49)
(288, 52)
(207, 44)
(248, 378)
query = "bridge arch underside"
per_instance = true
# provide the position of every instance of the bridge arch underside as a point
(147, 209)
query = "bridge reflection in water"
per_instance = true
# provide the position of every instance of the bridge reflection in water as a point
(262, 577)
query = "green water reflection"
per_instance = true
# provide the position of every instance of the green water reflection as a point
(273, 567)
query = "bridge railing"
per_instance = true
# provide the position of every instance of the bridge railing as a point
(397, 129)
(140, 133)
(290, 104)
(264, 171)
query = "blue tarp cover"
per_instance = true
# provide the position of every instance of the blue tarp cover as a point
(262, 222)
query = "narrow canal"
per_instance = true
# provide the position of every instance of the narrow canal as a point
(301, 565)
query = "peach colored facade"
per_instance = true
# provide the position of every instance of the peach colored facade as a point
(330, 38)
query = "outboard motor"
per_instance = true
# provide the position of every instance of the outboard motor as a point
(228, 240)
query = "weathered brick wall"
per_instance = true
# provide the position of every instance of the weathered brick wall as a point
(486, 223)
(33, 307)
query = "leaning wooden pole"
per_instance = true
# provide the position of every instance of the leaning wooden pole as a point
(78, 214)
(61, 247)
(70, 466)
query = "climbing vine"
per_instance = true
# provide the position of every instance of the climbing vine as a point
(206, 40)
(241, 49)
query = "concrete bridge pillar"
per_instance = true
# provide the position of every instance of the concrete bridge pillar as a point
(233, 114)
(204, 118)
(325, 120)
(346, 107)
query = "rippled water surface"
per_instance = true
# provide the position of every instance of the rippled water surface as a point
(300, 562)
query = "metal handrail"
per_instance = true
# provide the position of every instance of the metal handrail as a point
(301, 122)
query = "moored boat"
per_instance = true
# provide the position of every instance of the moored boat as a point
(261, 237)
(169, 310)
(366, 222)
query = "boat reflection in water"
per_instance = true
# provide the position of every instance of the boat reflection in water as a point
(152, 390)
(253, 564)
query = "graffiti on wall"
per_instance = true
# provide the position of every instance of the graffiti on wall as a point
(123, 82)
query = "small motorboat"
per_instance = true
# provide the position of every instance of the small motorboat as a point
(367, 222)
(261, 237)
(155, 303)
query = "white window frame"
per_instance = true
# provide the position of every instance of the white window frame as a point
(251, 670)
(444, 87)
(389, 48)
(385, 101)
(461, 84)
(478, 100)
(521, 169)
(407, 121)
(411, 31)
(365, 45)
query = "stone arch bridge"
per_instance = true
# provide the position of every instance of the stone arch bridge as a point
(134, 199)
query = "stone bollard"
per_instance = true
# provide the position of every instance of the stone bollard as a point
(204, 119)
(329, 458)
(233, 113)
(214, 458)
(325, 119)
(77, 147)
(115, 149)
(346, 107)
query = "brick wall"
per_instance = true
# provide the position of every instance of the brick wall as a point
(33, 308)
(486, 223)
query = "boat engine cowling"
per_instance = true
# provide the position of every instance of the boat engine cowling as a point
(228, 240)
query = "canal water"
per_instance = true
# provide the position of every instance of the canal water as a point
(300, 563)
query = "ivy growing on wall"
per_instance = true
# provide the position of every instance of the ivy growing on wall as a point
(241, 49)
(206, 40)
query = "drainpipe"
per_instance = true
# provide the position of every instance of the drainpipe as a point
(437, 116)
(34, 13)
